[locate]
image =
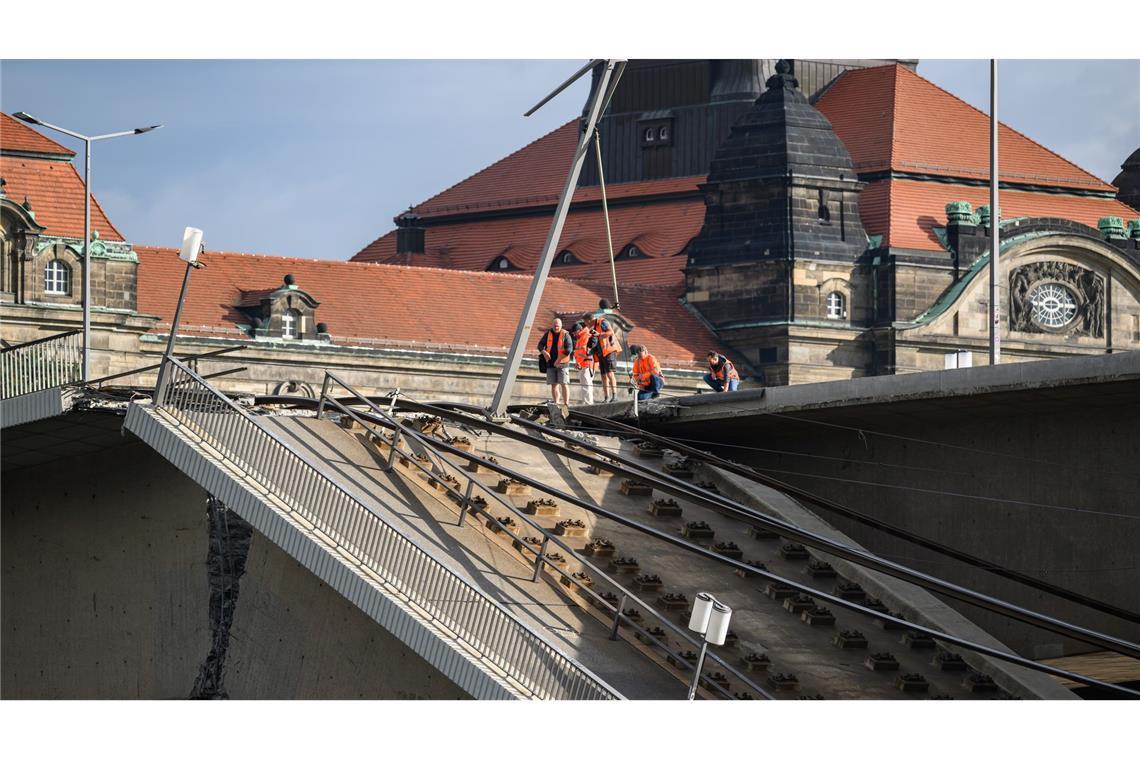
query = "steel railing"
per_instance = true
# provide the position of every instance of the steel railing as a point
(449, 601)
(41, 364)
(465, 498)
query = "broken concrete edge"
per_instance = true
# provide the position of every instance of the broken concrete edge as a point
(910, 386)
(917, 605)
(461, 667)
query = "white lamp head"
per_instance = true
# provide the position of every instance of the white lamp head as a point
(718, 623)
(191, 245)
(702, 608)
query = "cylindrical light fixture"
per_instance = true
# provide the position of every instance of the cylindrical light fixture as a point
(718, 620)
(702, 608)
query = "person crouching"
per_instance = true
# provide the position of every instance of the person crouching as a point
(647, 377)
(722, 374)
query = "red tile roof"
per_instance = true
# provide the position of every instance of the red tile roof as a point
(891, 118)
(17, 136)
(661, 230)
(55, 191)
(443, 307)
(915, 208)
(534, 176)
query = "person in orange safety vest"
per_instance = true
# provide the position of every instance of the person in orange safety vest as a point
(646, 374)
(722, 374)
(585, 347)
(607, 353)
(556, 349)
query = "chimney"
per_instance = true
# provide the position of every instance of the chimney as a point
(409, 233)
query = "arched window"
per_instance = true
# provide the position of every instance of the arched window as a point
(57, 278)
(650, 133)
(631, 251)
(565, 258)
(291, 324)
(836, 305)
(663, 132)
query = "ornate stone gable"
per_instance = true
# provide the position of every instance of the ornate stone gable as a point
(287, 312)
(1058, 298)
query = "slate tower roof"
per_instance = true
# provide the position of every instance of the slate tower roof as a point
(781, 185)
(1128, 181)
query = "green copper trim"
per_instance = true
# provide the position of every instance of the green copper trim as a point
(100, 249)
(1112, 227)
(940, 233)
(951, 295)
(959, 211)
(1134, 229)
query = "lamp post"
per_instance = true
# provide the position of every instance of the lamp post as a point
(710, 618)
(87, 140)
(189, 252)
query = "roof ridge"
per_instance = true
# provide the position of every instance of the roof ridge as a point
(1007, 126)
(488, 167)
(894, 121)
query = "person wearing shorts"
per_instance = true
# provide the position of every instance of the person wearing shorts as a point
(556, 348)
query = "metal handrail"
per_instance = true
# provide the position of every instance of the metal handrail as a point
(449, 600)
(45, 339)
(41, 364)
(465, 499)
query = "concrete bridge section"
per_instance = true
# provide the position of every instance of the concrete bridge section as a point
(1035, 466)
(115, 586)
(106, 590)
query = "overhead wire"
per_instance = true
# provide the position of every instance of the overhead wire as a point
(686, 490)
(840, 509)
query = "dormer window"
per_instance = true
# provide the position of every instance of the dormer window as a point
(656, 132)
(57, 278)
(631, 251)
(500, 264)
(283, 313)
(290, 324)
(565, 258)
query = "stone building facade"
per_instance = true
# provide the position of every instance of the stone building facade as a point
(814, 220)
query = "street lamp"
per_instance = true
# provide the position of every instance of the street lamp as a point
(87, 140)
(189, 252)
(710, 618)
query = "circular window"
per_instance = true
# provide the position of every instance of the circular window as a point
(1053, 305)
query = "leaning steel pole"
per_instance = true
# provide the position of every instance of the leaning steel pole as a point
(526, 320)
(995, 224)
(86, 260)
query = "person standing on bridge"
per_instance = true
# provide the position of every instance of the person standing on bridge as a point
(585, 348)
(607, 353)
(647, 377)
(722, 374)
(555, 349)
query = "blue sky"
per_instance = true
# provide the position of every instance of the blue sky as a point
(314, 158)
